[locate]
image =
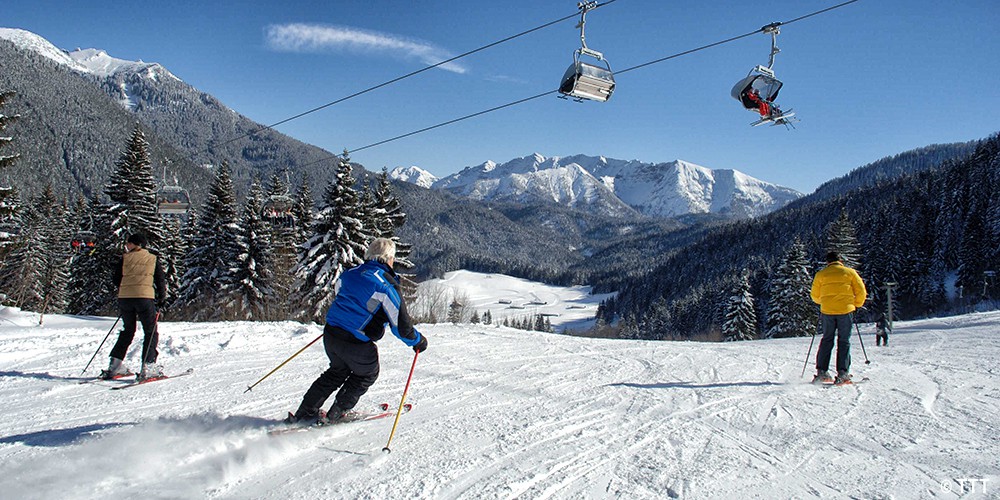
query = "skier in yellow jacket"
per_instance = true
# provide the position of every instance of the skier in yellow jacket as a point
(140, 281)
(839, 291)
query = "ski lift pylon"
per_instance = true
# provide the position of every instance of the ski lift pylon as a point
(583, 80)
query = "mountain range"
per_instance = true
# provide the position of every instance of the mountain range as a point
(613, 187)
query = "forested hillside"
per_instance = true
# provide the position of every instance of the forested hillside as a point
(933, 233)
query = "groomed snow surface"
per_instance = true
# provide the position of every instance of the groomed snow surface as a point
(503, 413)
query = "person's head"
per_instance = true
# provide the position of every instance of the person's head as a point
(832, 257)
(137, 239)
(382, 250)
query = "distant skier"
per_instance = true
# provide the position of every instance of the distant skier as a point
(368, 299)
(839, 291)
(881, 334)
(140, 281)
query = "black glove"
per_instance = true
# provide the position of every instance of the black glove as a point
(422, 345)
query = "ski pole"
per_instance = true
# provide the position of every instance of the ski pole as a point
(401, 402)
(152, 337)
(100, 346)
(856, 327)
(282, 364)
(804, 365)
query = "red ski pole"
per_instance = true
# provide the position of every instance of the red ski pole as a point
(401, 402)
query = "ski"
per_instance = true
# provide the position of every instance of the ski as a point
(381, 411)
(116, 378)
(153, 379)
(852, 382)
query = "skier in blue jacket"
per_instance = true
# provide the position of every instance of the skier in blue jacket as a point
(367, 299)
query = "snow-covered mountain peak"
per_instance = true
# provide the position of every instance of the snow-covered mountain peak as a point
(612, 186)
(99, 63)
(30, 41)
(90, 61)
(414, 175)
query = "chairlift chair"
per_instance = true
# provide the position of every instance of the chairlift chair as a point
(761, 84)
(278, 209)
(172, 200)
(587, 81)
(83, 241)
(583, 80)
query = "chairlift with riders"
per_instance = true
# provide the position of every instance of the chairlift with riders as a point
(758, 91)
(171, 199)
(584, 80)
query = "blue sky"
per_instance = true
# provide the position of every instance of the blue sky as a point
(868, 80)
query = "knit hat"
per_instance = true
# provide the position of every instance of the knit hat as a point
(137, 239)
(832, 257)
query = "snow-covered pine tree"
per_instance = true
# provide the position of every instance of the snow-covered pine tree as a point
(284, 238)
(21, 275)
(339, 241)
(132, 191)
(210, 258)
(173, 251)
(842, 238)
(9, 199)
(390, 217)
(90, 288)
(54, 244)
(302, 210)
(791, 312)
(251, 291)
(741, 317)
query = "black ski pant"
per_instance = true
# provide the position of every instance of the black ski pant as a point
(882, 338)
(353, 369)
(143, 310)
(839, 326)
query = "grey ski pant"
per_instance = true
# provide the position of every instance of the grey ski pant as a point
(838, 325)
(354, 367)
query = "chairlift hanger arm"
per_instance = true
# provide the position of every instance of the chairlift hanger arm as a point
(774, 30)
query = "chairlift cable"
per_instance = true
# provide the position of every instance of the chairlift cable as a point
(497, 108)
(414, 73)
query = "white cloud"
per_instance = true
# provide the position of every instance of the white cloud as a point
(301, 37)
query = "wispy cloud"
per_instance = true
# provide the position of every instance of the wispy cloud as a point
(301, 37)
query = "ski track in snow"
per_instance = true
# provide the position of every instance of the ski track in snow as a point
(501, 413)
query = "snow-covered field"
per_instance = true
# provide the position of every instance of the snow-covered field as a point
(503, 413)
(505, 297)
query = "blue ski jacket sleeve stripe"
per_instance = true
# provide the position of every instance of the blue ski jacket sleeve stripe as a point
(367, 299)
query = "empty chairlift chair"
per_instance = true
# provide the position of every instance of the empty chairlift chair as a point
(583, 80)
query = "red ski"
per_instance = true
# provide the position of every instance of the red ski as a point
(153, 379)
(381, 411)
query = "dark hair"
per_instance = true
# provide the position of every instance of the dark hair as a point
(137, 239)
(832, 257)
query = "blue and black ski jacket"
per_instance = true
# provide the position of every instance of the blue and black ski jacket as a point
(368, 297)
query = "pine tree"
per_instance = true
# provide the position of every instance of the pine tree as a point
(21, 275)
(209, 261)
(53, 243)
(91, 290)
(251, 290)
(791, 312)
(302, 210)
(390, 217)
(339, 241)
(132, 191)
(9, 199)
(741, 318)
(842, 238)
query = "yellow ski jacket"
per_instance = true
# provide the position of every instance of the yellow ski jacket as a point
(838, 289)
